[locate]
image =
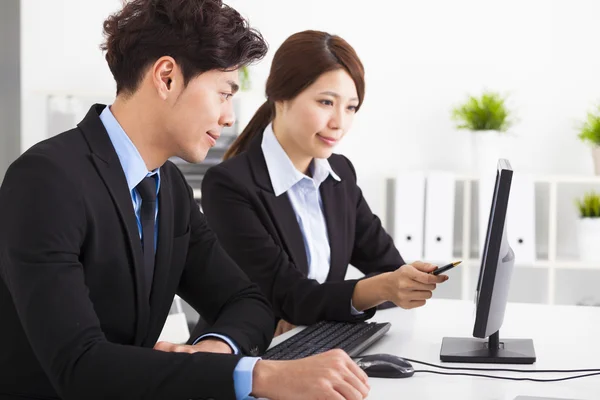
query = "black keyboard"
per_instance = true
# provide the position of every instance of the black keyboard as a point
(353, 338)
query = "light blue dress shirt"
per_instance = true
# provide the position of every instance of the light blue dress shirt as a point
(133, 165)
(135, 171)
(305, 197)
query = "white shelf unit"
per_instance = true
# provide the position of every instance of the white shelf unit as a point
(552, 264)
(546, 267)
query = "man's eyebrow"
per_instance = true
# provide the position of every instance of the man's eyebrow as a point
(234, 86)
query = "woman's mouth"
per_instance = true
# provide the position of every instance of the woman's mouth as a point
(327, 140)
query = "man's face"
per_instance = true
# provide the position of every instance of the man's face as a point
(198, 113)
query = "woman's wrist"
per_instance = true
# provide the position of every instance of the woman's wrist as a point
(371, 292)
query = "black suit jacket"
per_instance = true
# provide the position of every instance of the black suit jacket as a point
(76, 319)
(260, 232)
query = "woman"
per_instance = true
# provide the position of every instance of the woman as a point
(289, 211)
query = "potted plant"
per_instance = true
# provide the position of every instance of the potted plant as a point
(489, 119)
(590, 133)
(244, 78)
(589, 226)
(244, 102)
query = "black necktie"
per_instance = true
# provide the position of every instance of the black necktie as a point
(147, 191)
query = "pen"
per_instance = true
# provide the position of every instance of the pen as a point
(445, 268)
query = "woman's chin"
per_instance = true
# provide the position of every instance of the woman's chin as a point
(323, 153)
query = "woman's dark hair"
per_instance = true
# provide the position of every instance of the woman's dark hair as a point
(201, 35)
(297, 64)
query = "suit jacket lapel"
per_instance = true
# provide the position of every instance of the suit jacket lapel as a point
(280, 208)
(284, 217)
(335, 206)
(109, 167)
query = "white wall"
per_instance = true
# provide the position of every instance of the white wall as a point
(421, 58)
(60, 53)
(10, 88)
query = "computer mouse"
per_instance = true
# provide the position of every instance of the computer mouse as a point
(385, 366)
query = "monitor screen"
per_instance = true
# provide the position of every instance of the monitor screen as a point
(497, 260)
(495, 273)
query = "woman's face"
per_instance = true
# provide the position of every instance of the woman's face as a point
(319, 117)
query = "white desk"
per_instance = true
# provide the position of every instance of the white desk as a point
(564, 337)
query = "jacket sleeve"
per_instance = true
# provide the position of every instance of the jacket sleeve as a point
(220, 291)
(42, 229)
(240, 230)
(374, 251)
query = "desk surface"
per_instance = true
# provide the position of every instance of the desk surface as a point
(564, 337)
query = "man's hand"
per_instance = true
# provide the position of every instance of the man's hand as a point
(411, 285)
(207, 345)
(282, 327)
(331, 375)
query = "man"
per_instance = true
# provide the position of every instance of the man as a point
(98, 231)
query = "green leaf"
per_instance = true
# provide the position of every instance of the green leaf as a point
(485, 113)
(590, 129)
(244, 74)
(589, 205)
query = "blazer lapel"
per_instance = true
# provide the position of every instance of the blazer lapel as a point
(109, 167)
(335, 209)
(284, 217)
(280, 208)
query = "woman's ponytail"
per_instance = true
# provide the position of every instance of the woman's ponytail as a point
(261, 119)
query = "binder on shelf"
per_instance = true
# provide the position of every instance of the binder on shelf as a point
(409, 215)
(520, 219)
(439, 217)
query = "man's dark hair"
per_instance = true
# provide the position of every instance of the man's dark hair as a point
(201, 35)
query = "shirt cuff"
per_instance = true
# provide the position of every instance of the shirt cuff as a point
(242, 377)
(223, 338)
(354, 311)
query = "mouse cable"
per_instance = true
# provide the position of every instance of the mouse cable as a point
(552, 371)
(506, 377)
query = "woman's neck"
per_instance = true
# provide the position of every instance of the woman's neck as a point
(300, 160)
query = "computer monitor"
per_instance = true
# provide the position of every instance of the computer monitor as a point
(497, 263)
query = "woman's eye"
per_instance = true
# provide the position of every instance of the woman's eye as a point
(326, 102)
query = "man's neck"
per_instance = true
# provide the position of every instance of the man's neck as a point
(143, 129)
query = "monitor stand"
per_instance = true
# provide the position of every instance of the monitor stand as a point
(493, 351)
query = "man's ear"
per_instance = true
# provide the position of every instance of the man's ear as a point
(163, 76)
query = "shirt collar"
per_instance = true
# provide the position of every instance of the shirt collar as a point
(282, 172)
(131, 161)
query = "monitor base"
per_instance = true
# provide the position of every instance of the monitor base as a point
(494, 351)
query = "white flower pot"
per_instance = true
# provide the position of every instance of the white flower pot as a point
(487, 147)
(596, 158)
(589, 239)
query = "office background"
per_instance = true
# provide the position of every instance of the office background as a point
(421, 59)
